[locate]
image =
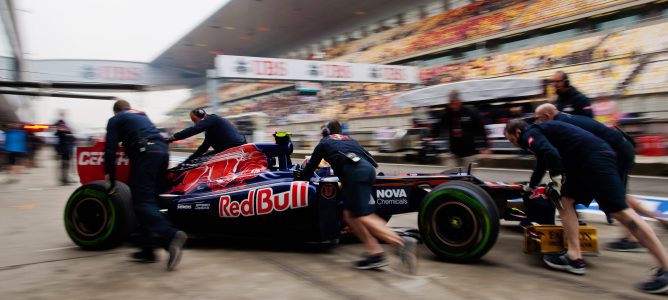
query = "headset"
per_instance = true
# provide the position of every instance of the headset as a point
(199, 112)
(325, 130)
(567, 82)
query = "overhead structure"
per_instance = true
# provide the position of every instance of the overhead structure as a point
(472, 90)
(255, 68)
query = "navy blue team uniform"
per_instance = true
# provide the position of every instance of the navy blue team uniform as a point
(574, 102)
(149, 160)
(219, 133)
(357, 178)
(617, 141)
(589, 164)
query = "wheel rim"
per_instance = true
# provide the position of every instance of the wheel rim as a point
(89, 217)
(455, 224)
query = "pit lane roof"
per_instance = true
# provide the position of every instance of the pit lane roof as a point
(273, 27)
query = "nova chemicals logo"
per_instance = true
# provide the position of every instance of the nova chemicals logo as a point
(391, 196)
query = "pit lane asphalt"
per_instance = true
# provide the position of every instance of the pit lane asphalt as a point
(38, 261)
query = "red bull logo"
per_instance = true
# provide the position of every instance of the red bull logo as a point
(538, 192)
(264, 201)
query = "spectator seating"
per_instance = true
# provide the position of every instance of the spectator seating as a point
(652, 79)
(640, 40)
(540, 11)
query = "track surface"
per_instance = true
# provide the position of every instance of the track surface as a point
(39, 261)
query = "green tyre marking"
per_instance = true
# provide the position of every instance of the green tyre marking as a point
(112, 218)
(478, 207)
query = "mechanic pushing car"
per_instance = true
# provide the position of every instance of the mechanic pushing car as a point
(355, 168)
(582, 167)
(219, 133)
(148, 156)
(625, 151)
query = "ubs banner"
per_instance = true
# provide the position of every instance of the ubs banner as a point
(101, 71)
(228, 66)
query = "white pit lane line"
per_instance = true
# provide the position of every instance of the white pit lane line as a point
(59, 248)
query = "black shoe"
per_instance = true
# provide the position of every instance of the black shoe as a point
(658, 285)
(407, 254)
(609, 219)
(564, 263)
(625, 245)
(175, 249)
(371, 262)
(143, 257)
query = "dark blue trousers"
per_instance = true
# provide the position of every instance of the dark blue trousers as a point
(147, 171)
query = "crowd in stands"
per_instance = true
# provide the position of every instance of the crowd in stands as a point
(601, 64)
(351, 100)
(541, 11)
(474, 20)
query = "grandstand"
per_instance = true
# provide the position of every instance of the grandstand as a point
(619, 53)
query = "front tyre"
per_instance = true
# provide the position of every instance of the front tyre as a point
(97, 221)
(458, 221)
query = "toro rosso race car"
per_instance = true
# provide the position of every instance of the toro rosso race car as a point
(249, 192)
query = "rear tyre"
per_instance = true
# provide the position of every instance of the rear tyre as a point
(458, 221)
(95, 220)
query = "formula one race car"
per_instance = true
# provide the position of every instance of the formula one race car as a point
(249, 192)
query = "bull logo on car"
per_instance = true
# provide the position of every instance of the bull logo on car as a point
(328, 191)
(538, 193)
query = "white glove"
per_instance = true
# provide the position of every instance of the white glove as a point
(554, 191)
(557, 182)
(526, 188)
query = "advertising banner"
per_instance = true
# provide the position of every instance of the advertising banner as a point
(245, 67)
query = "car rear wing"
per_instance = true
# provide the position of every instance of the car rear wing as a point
(90, 163)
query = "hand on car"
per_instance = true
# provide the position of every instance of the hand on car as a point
(110, 184)
(298, 175)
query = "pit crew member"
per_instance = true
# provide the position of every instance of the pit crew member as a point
(148, 156)
(356, 170)
(625, 160)
(219, 133)
(589, 167)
